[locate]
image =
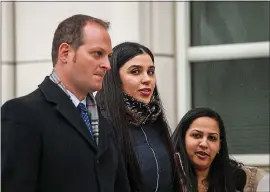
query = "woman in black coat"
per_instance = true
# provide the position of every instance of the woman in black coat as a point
(129, 99)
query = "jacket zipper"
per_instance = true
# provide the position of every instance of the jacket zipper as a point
(153, 152)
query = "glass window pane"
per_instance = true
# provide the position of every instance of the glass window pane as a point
(239, 91)
(215, 23)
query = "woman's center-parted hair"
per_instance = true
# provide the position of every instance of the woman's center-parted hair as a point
(196, 113)
(122, 53)
(126, 51)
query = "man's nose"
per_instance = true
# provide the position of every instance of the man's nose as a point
(106, 65)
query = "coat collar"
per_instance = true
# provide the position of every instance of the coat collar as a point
(66, 108)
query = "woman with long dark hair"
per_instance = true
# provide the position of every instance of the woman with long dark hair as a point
(202, 152)
(129, 99)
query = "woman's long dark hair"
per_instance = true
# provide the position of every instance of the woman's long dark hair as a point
(110, 100)
(220, 177)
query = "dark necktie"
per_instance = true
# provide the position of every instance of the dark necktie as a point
(84, 114)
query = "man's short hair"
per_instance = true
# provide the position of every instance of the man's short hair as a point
(71, 31)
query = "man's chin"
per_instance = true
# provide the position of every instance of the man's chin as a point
(95, 88)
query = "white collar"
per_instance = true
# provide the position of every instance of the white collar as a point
(75, 100)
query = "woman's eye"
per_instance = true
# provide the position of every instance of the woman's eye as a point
(135, 71)
(151, 72)
(196, 135)
(212, 138)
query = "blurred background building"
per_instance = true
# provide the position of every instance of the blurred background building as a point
(213, 54)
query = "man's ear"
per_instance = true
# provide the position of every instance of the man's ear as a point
(63, 51)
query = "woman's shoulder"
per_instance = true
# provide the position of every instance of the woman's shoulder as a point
(254, 175)
(264, 183)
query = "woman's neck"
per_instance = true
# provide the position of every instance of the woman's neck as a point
(202, 180)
